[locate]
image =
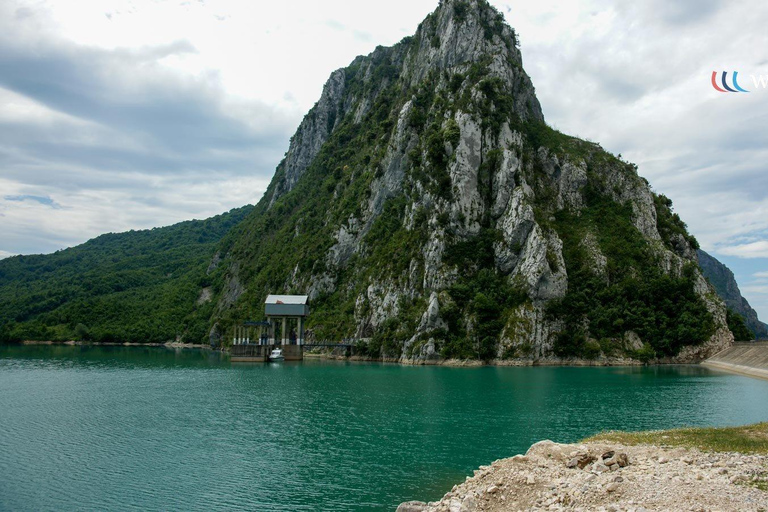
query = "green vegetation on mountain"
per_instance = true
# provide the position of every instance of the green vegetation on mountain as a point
(139, 286)
(633, 295)
(738, 327)
(298, 230)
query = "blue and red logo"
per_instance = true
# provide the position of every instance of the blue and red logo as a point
(724, 81)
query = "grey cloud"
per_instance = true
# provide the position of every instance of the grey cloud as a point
(683, 12)
(22, 240)
(180, 123)
(23, 13)
(152, 147)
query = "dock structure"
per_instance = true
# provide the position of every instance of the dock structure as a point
(284, 329)
(287, 312)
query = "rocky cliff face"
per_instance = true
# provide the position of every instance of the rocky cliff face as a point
(427, 209)
(725, 284)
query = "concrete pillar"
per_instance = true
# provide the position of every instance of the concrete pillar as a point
(284, 334)
(301, 330)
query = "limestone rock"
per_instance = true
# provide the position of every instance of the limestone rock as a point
(412, 506)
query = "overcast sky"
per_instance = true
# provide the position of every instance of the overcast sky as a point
(118, 115)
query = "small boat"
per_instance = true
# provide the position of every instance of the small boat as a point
(276, 355)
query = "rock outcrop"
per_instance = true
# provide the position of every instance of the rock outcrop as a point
(723, 280)
(427, 209)
(603, 476)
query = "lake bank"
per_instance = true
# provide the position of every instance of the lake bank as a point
(512, 363)
(684, 469)
(750, 359)
(737, 365)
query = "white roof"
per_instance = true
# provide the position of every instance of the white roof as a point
(286, 299)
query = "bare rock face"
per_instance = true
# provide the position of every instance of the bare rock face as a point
(425, 206)
(311, 135)
(726, 287)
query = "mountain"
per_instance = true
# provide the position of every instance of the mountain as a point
(724, 282)
(428, 210)
(140, 286)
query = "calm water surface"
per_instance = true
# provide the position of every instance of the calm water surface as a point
(115, 428)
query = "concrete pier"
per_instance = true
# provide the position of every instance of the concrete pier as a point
(749, 359)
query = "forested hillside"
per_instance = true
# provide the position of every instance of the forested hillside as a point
(139, 286)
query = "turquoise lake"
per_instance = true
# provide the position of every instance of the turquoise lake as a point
(127, 428)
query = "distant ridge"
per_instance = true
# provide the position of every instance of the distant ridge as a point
(724, 281)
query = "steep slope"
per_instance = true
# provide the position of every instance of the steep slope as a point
(427, 209)
(141, 286)
(725, 284)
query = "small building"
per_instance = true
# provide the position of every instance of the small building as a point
(288, 313)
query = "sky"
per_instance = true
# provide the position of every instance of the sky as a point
(131, 114)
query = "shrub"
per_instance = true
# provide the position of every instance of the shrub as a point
(738, 327)
(460, 10)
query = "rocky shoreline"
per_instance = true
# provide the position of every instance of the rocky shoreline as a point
(603, 476)
(475, 363)
(454, 363)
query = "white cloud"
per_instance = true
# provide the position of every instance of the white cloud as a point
(761, 275)
(6, 254)
(753, 250)
(757, 289)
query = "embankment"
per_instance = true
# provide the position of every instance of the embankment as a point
(743, 358)
(686, 469)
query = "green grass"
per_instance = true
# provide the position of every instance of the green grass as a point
(748, 439)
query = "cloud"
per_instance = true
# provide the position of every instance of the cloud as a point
(167, 118)
(684, 12)
(757, 289)
(753, 250)
(112, 140)
(5, 254)
(761, 275)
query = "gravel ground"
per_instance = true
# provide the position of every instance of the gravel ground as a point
(611, 477)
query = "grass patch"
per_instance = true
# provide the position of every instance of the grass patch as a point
(748, 439)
